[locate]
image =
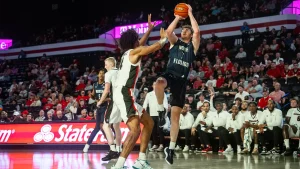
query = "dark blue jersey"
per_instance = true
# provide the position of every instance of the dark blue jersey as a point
(99, 89)
(181, 58)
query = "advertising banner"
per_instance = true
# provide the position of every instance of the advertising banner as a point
(53, 133)
(5, 44)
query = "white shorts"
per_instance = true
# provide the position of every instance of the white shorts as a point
(124, 99)
(112, 114)
(292, 134)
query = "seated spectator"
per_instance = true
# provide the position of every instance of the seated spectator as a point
(49, 116)
(191, 102)
(185, 124)
(219, 118)
(16, 117)
(29, 118)
(197, 83)
(231, 92)
(211, 81)
(49, 104)
(274, 72)
(278, 58)
(241, 93)
(255, 90)
(37, 102)
(60, 116)
(249, 133)
(270, 128)
(84, 115)
(263, 102)
(201, 101)
(41, 116)
(241, 54)
(234, 125)
(290, 129)
(277, 94)
(4, 118)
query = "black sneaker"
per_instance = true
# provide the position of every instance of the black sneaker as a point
(264, 151)
(111, 155)
(287, 152)
(192, 149)
(275, 151)
(169, 155)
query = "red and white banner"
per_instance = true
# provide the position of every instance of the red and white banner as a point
(106, 42)
(53, 133)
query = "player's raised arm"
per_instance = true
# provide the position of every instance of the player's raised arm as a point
(170, 31)
(140, 51)
(195, 26)
(145, 37)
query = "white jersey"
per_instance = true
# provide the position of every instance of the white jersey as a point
(294, 114)
(253, 119)
(128, 72)
(111, 77)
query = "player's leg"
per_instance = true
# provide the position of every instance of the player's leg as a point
(118, 136)
(288, 132)
(130, 115)
(178, 89)
(95, 131)
(255, 137)
(160, 85)
(148, 124)
(133, 124)
(113, 153)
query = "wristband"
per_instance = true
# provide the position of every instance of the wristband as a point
(163, 41)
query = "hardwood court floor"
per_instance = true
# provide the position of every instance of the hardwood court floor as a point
(58, 159)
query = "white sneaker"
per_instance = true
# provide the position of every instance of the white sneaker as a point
(113, 167)
(154, 147)
(186, 149)
(239, 151)
(160, 148)
(177, 148)
(141, 164)
(86, 148)
(228, 150)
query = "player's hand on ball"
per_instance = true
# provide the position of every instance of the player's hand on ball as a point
(179, 17)
(190, 9)
(163, 33)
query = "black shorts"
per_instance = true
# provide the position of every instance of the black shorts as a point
(177, 89)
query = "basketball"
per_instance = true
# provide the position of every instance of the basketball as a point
(181, 9)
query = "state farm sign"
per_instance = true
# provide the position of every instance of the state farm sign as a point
(55, 133)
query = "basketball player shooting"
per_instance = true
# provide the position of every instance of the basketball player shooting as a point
(131, 112)
(182, 54)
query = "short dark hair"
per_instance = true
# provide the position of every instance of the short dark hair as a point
(253, 103)
(188, 27)
(128, 39)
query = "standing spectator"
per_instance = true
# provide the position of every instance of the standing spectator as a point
(159, 119)
(245, 32)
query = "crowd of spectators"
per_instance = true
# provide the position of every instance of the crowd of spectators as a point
(205, 12)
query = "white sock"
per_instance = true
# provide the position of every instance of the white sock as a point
(120, 163)
(142, 156)
(172, 145)
(239, 147)
(229, 146)
(118, 149)
(161, 107)
(287, 143)
(255, 145)
(113, 147)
